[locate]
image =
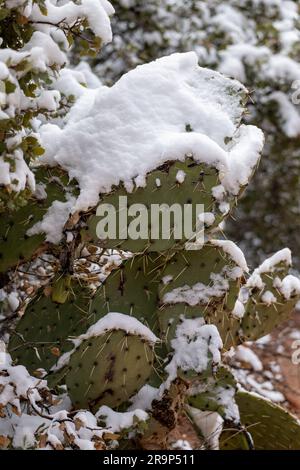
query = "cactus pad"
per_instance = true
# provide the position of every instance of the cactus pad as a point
(108, 369)
(271, 427)
(132, 289)
(41, 334)
(163, 186)
(15, 245)
(218, 279)
(269, 303)
(213, 395)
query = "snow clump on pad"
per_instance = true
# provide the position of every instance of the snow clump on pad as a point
(196, 347)
(140, 123)
(111, 321)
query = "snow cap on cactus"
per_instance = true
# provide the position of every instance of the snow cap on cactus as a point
(140, 123)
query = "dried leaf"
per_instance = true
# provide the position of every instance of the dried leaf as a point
(109, 436)
(4, 442)
(78, 424)
(55, 351)
(15, 410)
(42, 441)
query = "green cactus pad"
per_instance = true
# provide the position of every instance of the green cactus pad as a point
(212, 390)
(260, 317)
(15, 245)
(162, 187)
(210, 396)
(42, 333)
(188, 269)
(271, 427)
(132, 289)
(108, 369)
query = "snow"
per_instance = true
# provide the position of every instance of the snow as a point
(40, 192)
(44, 52)
(13, 301)
(233, 251)
(16, 384)
(225, 396)
(210, 425)
(219, 285)
(270, 264)
(238, 309)
(117, 421)
(264, 340)
(245, 354)
(22, 429)
(207, 218)
(199, 293)
(119, 321)
(268, 298)
(139, 123)
(90, 79)
(96, 12)
(59, 430)
(195, 346)
(290, 118)
(181, 444)
(180, 176)
(21, 177)
(290, 287)
(54, 220)
(295, 334)
(265, 389)
(144, 397)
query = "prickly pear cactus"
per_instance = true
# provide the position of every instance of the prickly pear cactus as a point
(43, 332)
(151, 336)
(174, 184)
(203, 283)
(270, 295)
(212, 394)
(108, 368)
(271, 427)
(18, 240)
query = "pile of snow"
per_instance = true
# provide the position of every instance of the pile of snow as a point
(140, 123)
(44, 53)
(235, 253)
(195, 346)
(286, 286)
(16, 384)
(263, 58)
(244, 354)
(117, 421)
(210, 425)
(199, 293)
